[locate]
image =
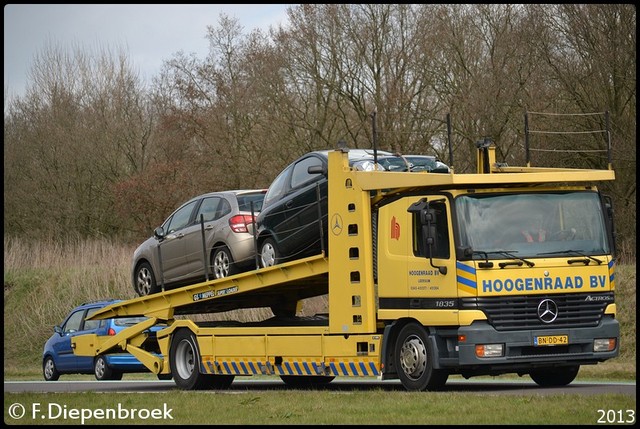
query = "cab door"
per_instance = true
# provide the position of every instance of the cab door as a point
(415, 260)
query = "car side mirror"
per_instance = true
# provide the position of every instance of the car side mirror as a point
(159, 233)
(317, 169)
(57, 329)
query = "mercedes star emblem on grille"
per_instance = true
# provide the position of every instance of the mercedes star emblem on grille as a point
(547, 311)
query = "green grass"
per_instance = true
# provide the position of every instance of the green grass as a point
(371, 407)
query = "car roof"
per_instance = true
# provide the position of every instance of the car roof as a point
(97, 303)
(226, 193)
(355, 153)
(409, 156)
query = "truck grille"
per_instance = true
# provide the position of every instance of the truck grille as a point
(577, 310)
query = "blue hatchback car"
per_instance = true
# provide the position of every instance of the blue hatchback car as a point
(58, 357)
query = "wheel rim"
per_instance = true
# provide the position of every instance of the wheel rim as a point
(221, 265)
(413, 357)
(49, 368)
(144, 281)
(268, 255)
(100, 368)
(185, 359)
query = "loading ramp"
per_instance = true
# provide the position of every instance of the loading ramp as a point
(266, 287)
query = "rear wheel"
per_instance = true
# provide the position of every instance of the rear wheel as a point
(554, 377)
(185, 361)
(269, 254)
(222, 263)
(415, 358)
(145, 280)
(185, 365)
(102, 371)
(49, 370)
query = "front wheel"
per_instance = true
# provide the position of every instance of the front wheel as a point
(49, 370)
(415, 358)
(555, 377)
(269, 253)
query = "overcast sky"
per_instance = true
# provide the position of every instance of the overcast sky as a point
(150, 34)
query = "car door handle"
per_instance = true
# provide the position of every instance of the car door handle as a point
(208, 227)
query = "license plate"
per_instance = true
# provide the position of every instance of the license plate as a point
(551, 340)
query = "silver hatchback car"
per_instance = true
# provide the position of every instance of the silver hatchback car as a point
(208, 237)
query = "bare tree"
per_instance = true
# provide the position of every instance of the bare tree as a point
(81, 126)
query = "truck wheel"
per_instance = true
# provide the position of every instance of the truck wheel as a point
(222, 263)
(49, 370)
(102, 371)
(268, 253)
(306, 381)
(145, 280)
(554, 377)
(414, 359)
(185, 362)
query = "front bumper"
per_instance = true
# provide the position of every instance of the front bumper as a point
(521, 353)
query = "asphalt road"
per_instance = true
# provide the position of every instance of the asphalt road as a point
(507, 387)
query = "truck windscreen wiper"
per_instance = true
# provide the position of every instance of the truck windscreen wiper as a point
(575, 252)
(509, 254)
(486, 263)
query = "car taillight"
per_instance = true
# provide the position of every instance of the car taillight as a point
(239, 223)
(111, 332)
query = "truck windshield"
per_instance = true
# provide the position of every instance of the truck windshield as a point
(531, 224)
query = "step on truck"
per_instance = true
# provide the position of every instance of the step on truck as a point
(507, 270)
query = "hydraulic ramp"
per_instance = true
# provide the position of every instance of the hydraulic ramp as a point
(277, 286)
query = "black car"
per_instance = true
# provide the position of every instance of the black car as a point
(413, 163)
(288, 226)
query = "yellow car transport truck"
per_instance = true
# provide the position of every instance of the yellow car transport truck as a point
(507, 270)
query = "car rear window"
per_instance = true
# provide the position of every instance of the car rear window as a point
(128, 321)
(245, 200)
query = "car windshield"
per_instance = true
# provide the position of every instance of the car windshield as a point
(404, 163)
(422, 163)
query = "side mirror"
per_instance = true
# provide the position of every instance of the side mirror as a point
(317, 169)
(57, 329)
(159, 233)
(427, 218)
